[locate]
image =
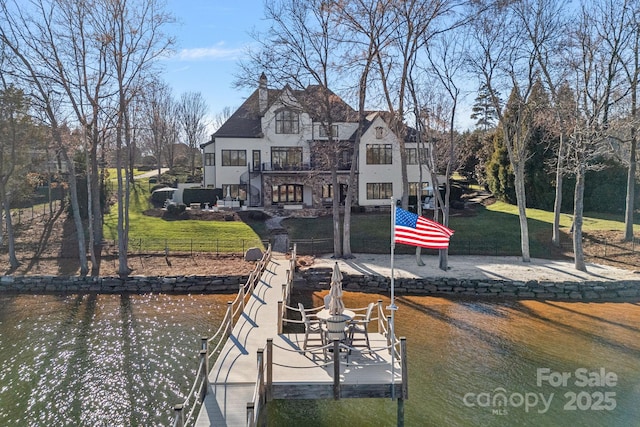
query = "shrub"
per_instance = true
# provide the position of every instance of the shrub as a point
(175, 209)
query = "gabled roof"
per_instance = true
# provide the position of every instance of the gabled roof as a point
(246, 121)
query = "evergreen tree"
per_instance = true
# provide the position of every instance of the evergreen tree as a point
(483, 111)
(499, 173)
(538, 175)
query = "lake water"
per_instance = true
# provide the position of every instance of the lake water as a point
(126, 360)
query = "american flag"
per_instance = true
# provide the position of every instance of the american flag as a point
(415, 230)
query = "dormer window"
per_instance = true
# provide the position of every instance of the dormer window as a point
(379, 132)
(287, 121)
(323, 131)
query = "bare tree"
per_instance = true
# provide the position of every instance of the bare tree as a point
(192, 111)
(15, 140)
(221, 117)
(28, 38)
(504, 61)
(596, 67)
(159, 109)
(446, 61)
(545, 24)
(367, 24)
(134, 39)
(302, 47)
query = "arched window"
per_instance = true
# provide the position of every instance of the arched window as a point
(287, 121)
(287, 193)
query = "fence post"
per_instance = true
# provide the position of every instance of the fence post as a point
(405, 374)
(261, 375)
(269, 369)
(230, 321)
(390, 339)
(178, 414)
(336, 369)
(205, 374)
(251, 422)
(241, 292)
(279, 320)
(380, 317)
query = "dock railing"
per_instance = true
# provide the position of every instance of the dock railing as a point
(185, 412)
(395, 344)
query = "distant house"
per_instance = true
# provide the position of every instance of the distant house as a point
(272, 152)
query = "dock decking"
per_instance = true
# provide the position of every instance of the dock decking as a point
(295, 374)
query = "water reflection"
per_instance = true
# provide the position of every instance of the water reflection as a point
(125, 360)
(99, 359)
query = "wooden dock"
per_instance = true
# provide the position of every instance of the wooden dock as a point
(258, 364)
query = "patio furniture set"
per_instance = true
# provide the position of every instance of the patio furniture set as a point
(322, 328)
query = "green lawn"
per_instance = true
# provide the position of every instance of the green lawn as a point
(494, 230)
(152, 233)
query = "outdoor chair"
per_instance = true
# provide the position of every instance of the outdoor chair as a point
(312, 327)
(359, 325)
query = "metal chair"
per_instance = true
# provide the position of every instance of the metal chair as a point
(312, 326)
(359, 325)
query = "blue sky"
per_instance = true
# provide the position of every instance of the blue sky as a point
(211, 36)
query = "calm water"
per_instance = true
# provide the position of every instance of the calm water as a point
(120, 360)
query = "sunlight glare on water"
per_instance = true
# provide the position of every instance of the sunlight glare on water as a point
(127, 359)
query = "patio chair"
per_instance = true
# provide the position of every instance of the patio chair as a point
(359, 325)
(312, 326)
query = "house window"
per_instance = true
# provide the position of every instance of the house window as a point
(287, 122)
(412, 156)
(322, 133)
(379, 190)
(236, 191)
(286, 158)
(287, 193)
(327, 191)
(379, 154)
(379, 132)
(209, 159)
(234, 158)
(413, 188)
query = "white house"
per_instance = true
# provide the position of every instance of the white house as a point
(273, 152)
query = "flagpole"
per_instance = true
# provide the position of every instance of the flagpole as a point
(392, 307)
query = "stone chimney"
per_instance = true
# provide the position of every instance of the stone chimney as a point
(263, 95)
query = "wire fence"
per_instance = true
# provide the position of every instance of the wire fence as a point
(486, 247)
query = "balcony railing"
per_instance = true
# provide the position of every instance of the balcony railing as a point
(300, 167)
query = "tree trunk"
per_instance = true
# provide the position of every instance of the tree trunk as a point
(75, 207)
(13, 260)
(578, 208)
(522, 211)
(631, 188)
(557, 205)
(337, 243)
(631, 173)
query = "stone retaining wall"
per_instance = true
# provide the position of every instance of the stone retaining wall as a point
(115, 285)
(629, 290)
(320, 278)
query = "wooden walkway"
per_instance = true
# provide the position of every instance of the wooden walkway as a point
(296, 375)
